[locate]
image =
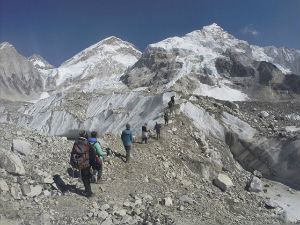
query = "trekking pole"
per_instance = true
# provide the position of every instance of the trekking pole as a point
(73, 172)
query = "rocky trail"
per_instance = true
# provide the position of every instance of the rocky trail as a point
(168, 181)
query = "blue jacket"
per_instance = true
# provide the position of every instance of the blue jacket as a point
(97, 145)
(127, 137)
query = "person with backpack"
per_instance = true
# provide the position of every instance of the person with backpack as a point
(96, 147)
(145, 133)
(157, 129)
(166, 118)
(82, 157)
(127, 140)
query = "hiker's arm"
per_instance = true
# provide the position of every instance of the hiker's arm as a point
(99, 150)
(131, 138)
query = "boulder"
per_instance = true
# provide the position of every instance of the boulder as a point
(15, 193)
(11, 162)
(21, 146)
(102, 214)
(3, 186)
(263, 114)
(25, 188)
(167, 201)
(255, 185)
(223, 182)
(31, 191)
(185, 198)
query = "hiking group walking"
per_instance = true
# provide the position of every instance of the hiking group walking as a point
(87, 154)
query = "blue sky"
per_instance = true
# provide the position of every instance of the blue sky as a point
(58, 29)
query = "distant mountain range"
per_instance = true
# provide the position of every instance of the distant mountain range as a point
(204, 62)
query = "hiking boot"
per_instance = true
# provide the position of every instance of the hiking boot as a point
(89, 194)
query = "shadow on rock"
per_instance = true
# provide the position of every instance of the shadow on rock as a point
(63, 187)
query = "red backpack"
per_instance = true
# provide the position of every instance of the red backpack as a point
(80, 155)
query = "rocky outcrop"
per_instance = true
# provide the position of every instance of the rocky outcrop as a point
(156, 67)
(11, 162)
(18, 77)
(269, 74)
(236, 65)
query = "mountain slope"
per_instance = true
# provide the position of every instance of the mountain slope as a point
(168, 61)
(19, 79)
(98, 66)
(39, 62)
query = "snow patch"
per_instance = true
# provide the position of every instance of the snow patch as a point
(221, 92)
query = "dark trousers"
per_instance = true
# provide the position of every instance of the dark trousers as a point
(157, 135)
(86, 176)
(127, 148)
(166, 121)
(145, 139)
(98, 170)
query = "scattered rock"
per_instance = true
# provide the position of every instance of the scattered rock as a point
(15, 193)
(107, 221)
(105, 207)
(255, 185)
(11, 162)
(21, 146)
(102, 214)
(270, 204)
(223, 182)
(186, 198)
(35, 191)
(3, 186)
(167, 201)
(257, 174)
(48, 180)
(263, 114)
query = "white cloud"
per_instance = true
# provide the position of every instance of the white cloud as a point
(249, 29)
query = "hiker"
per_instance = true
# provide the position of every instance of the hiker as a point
(98, 166)
(127, 140)
(157, 129)
(166, 117)
(145, 133)
(81, 158)
(173, 100)
(170, 107)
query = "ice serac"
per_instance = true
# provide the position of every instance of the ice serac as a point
(277, 159)
(18, 77)
(98, 66)
(57, 115)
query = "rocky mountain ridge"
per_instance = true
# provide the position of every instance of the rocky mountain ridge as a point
(191, 60)
(18, 77)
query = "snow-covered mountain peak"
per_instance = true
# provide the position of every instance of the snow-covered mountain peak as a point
(39, 62)
(212, 36)
(104, 48)
(213, 28)
(100, 64)
(5, 44)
